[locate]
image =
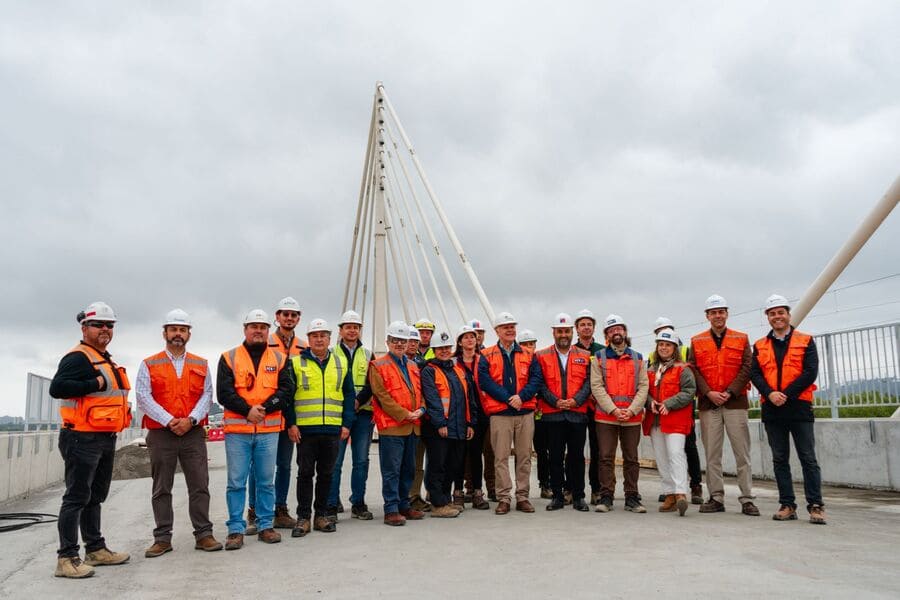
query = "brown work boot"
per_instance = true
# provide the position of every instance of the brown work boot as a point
(302, 527)
(72, 567)
(448, 511)
(478, 501)
(324, 524)
(748, 508)
(208, 544)
(785, 513)
(234, 541)
(681, 503)
(817, 514)
(459, 501)
(697, 494)
(105, 557)
(412, 514)
(283, 519)
(712, 506)
(394, 519)
(157, 549)
(269, 536)
(668, 504)
(251, 522)
(502, 508)
(524, 506)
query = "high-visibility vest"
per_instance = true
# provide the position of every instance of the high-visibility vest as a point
(577, 370)
(255, 388)
(719, 366)
(178, 395)
(427, 355)
(297, 345)
(445, 391)
(521, 364)
(107, 410)
(319, 399)
(621, 377)
(359, 369)
(395, 384)
(677, 421)
(791, 366)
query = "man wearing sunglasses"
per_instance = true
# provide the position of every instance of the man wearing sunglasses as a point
(93, 394)
(253, 387)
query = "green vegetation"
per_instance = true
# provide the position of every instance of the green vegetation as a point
(887, 404)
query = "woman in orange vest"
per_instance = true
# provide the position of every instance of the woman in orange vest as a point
(670, 418)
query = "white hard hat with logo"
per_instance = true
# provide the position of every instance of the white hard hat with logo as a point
(257, 315)
(662, 323)
(504, 318)
(441, 339)
(562, 321)
(97, 311)
(526, 335)
(776, 300)
(177, 317)
(612, 321)
(317, 325)
(716, 301)
(585, 314)
(351, 316)
(668, 335)
(287, 303)
(399, 330)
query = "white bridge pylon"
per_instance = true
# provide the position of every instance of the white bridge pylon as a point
(388, 214)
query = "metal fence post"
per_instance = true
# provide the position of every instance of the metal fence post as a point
(833, 395)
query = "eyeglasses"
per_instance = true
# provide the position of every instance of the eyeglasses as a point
(396, 341)
(100, 324)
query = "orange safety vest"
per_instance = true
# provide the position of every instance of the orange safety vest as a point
(719, 366)
(791, 366)
(621, 377)
(107, 410)
(677, 421)
(276, 343)
(521, 363)
(395, 384)
(473, 369)
(444, 390)
(254, 388)
(577, 370)
(178, 395)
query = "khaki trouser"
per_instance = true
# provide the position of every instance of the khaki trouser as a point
(516, 431)
(714, 424)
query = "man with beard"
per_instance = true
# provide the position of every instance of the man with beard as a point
(174, 391)
(93, 408)
(585, 322)
(253, 386)
(619, 385)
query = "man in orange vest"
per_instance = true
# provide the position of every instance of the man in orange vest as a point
(784, 370)
(509, 379)
(720, 358)
(93, 407)
(253, 386)
(619, 385)
(174, 391)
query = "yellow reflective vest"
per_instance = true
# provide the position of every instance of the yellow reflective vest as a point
(319, 399)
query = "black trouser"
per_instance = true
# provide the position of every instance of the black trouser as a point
(542, 449)
(779, 434)
(473, 470)
(693, 458)
(594, 443)
(316, 455)
(446, 459)
(566, 441)
(89, 460)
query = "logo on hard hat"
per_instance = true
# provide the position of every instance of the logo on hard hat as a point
(444, 337)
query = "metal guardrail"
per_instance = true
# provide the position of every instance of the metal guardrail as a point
(857, 367)
(42, 410)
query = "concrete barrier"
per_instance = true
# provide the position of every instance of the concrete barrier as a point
(30, 461)
(851, 452)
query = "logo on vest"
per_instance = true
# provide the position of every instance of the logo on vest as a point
(271, 369)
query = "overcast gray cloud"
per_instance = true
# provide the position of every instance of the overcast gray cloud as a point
(629, 159)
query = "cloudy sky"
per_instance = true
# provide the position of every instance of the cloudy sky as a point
(629, 159)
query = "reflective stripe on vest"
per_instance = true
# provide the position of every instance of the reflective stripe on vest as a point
(719, 366)
(177, 395)
(319, 399)
(255, 388)
(577, 370)
(107, 410)
(791, 366)
(445, 391)
(619, 390)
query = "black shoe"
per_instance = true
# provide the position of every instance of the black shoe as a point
(556, 504)
(605, 504)
(662, 498)
(331, 513)
(361, 512)
(580, 505)
(633, 504)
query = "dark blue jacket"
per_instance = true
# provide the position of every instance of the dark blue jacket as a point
(456, 422)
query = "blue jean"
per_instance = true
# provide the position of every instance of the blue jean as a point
(360, 443)
(283, 460)
(246, 452)
(779, 434)
(397, 456)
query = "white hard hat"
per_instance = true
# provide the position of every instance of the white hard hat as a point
(504, 318)
(287, 304)
(399, 330)
(562, 321)
(776, 300)
(424, 323)
(256, 315)
(526, 335)
(613, 320)
(317, 325)
(476, 325)
(441, 339)
(414, 334)
(177, 317)
(668, 335)
(351, 316)
(464, 330)
(585, 314)
(716, 301)
(97, 311)
(662, 323)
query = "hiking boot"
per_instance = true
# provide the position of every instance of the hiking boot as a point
(595, 498)
(748, 508)
(604, 504)
(251, 522)
(394, 519)
(417, 503)
(668, 504)
(478, 501)
(301, 528)
(697, 494)
(712, 506)
(234, 541)
(785, 513)
(459, 501)
(361, 512)
(546, 493)
(580, 505)
(105, 557)
(412, 514)
(633, 504)
(556, 504)
(72, 567)
(157, 549)
(269, 536)
(817, 514)
(331, 513)
(324, 525)
(283, 519)
(448, 511)
(208, 544)
(567, 497)
(681, 503)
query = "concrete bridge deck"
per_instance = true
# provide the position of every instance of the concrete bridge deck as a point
(544, 555)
